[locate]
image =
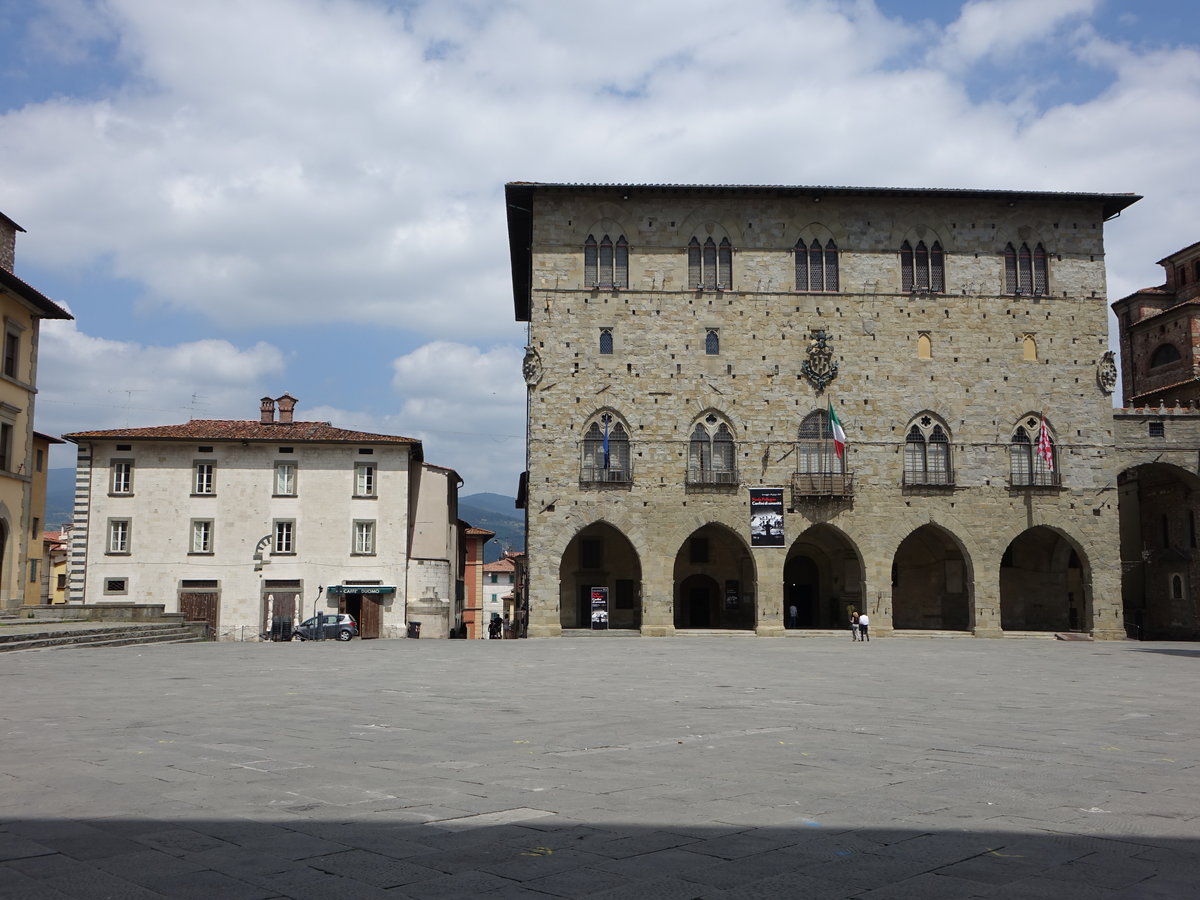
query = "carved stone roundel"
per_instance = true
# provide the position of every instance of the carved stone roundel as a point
(1106, 372)
(531, 366)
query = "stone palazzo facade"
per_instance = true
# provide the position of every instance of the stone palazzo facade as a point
(693, 352)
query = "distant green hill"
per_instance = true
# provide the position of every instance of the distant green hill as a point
(60, 498)
(495, 512)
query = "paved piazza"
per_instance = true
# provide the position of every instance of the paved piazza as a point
(717, 767)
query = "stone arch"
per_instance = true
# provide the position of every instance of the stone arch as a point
(714, 577)
(932, 582)
(1159, 509)
(823, 578)
(810, 232)
(1045, 582)
(599, 218)
(600, 554)
(709, 223)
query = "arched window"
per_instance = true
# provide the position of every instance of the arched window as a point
(816, 267)
(1029, 347)
(1176, 587)
(1033, 455)
(605, 451)
(1026, 271)
(922, 268)
(605, 264)
(710, 265)
(816, 452)
(712, 342)
(924, 346)
(927, 454)
(606, 341)
(1165, 353)
(711, 453)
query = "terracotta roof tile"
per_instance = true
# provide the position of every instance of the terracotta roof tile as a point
(244, 430)
(500, 565)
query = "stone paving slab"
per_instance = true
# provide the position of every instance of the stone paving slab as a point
(724, 769)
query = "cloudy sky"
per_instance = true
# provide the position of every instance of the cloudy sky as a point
(244, 197)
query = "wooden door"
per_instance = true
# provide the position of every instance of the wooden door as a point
(200, 606)
(279, 614)
(370, 621)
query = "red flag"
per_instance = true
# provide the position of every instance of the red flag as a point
(1045, 446)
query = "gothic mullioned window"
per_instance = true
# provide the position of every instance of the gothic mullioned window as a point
(927, 453)
(710, 265)
(816, 266)
(1163, 354)
(922, 268)
(606, 264)
(1026, 271)
(711, 453)
(1033, 455)
(606, 456)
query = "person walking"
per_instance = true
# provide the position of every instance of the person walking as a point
(854, 624)
(864, 623)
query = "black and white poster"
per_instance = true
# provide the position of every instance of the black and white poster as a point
(599, 608)
(766, 517)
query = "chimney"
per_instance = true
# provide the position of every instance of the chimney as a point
(287, 403)
(267, 417)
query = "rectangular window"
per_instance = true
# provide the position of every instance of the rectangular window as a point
(285, 479)
(35, 530)
(61, 583)
(116, 585)
(33, 570)
(495, 578)
(39, 459)
(6, 446)
(202, 536)
(204, 481)
(118, 535)
(12, 353)
(364, 480)
(122, 477)
(285, 537)
(364, 538)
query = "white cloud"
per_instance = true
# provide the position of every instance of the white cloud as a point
(87, 383)
(987, 28)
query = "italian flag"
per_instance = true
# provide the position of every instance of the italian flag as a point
(835, 429)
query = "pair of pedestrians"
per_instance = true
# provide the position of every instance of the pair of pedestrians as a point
(860, 625)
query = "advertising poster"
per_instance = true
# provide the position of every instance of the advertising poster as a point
(766, 517)
(599, 608)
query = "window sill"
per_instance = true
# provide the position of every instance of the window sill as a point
(116, 553)
(363, 554)
(364, 496)
(283, 496)
(200, 553)
(209, 494)
(120, 493)
(283, 552)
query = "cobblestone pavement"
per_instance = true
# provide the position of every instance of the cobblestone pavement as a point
(729, 767)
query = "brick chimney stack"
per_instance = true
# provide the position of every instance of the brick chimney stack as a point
(287, 403)
(267, 417)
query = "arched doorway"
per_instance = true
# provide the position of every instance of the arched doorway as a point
(600, 556)
(931, 583)
(714, 581)
(822, 579)
(1043, 584)
(1160, 558)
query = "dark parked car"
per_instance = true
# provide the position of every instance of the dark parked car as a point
(327, 626)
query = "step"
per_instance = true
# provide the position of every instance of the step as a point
(101, 637)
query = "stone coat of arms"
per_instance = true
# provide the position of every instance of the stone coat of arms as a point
(819, 368)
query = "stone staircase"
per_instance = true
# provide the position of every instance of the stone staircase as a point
(51, 636)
